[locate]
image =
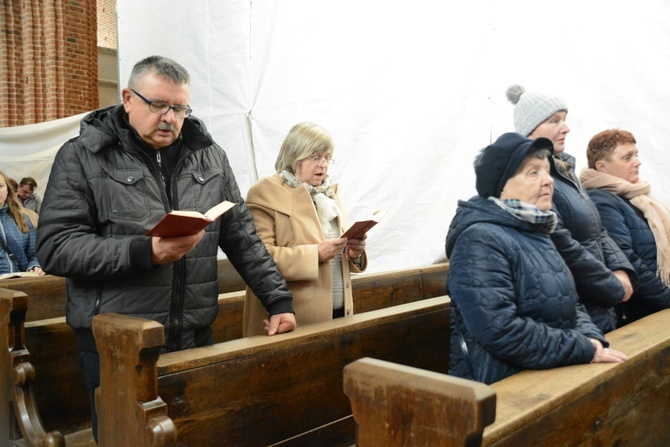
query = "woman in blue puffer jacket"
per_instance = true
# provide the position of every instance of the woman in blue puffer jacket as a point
(603, 276)
(514, 303)
(17, 247)
(637, 221)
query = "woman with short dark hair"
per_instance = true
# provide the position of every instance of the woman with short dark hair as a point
(637, 221)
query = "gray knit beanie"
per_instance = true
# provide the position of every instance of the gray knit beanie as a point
(531, 109)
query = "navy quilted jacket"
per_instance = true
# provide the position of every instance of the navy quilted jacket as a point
(513, 298)
(587, 249)
(629, 229)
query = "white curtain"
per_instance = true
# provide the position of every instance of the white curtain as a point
(410, 90)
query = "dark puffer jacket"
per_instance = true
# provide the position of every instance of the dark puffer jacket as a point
(105, 192)
(513, 298)
(629, 229)
(588, 251)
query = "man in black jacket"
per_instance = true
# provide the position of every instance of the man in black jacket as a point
(129, 166)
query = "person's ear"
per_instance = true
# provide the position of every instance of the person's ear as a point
(600, 166)
(126, 94)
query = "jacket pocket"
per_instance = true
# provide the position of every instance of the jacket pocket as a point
(201, 189)
(124, 195)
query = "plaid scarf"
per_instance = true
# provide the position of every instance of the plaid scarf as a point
(544, 220)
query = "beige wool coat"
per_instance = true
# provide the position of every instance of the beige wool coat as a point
(287, 222)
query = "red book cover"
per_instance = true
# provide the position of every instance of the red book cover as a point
(185, 223)
(359, 228)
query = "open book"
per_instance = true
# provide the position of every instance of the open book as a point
(359, 228)
(17, 275)
(185, 223)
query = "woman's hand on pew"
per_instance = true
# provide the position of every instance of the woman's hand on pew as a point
(606, 355)
(280, 323)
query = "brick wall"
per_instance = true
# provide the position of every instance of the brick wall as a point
(48, 59)
(107, 24)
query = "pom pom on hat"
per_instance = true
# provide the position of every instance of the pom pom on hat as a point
(514, 93)
(531, 109)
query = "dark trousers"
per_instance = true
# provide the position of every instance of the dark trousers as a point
(89, 362)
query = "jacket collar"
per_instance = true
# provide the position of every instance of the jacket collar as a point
(284, 198)
(109, 126)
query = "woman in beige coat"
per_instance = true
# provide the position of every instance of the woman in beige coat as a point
(300, 216)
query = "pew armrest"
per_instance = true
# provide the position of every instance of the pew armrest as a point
(128, 394)
(400, 405)
(17, 376)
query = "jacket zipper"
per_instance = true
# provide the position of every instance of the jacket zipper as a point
(591, 207)
(179, 279)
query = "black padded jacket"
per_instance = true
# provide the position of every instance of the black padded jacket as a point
(106, 191)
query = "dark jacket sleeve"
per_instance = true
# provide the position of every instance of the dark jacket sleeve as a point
(592, 278)
(651, 290)
(67, 243)
(585, 326)
(615, 258)
(247, 253)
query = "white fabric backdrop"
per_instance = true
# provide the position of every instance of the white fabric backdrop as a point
(410, 91)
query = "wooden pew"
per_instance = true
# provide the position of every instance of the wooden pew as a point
(624, 404)
(17, 375)
(59, 382)
(255, 391)
(397, 405)
(48, 294)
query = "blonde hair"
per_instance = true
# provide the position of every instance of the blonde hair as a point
(303, 140)
(14, 207)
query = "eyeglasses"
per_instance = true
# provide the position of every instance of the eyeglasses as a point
(161, 108)
(318, 159)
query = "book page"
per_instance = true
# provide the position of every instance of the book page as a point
(194, 214)
(219, 209)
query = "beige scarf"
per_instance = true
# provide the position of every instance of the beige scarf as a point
(322, 196)
(655, 211)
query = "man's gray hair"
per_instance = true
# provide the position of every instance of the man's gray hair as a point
(163, 67)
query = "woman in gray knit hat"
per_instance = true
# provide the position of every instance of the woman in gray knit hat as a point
(602, 273)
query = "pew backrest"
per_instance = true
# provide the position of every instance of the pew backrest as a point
(59, 386)
(48, 294)
(599, 404)
(263, 390)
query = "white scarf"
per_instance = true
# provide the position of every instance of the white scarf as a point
(326, 207)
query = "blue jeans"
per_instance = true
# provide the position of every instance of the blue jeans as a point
(89, 362)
